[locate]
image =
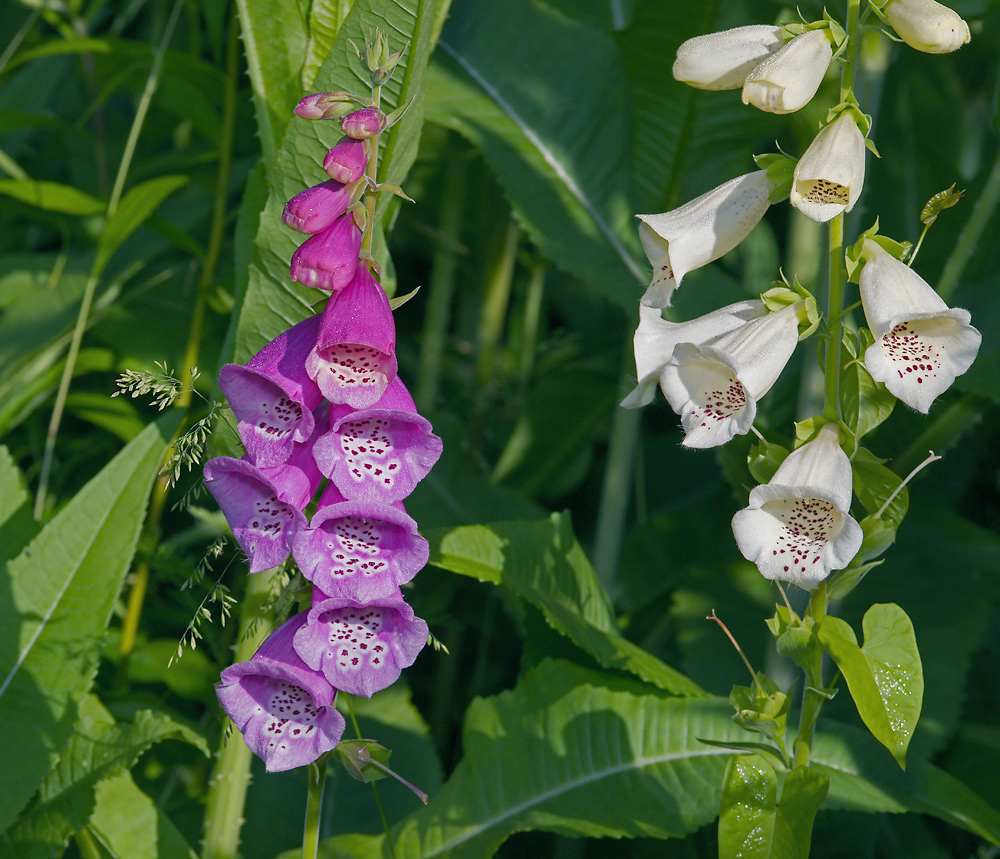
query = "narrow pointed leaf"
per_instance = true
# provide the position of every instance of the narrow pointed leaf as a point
(52, 196)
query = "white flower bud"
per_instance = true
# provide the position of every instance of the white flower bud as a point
(828, 178)
(786, 80)
(927, 25)
(718, 61)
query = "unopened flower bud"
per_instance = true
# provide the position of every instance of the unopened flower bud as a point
(363, 123)
(347, 160)
(927, 25)
(329, 259)
(324, 105)
(718, 61)
(316, 208)
(786, 80)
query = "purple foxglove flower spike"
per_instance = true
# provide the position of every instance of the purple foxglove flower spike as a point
(797, 527)
(380, 453)
(314, 210)
(656, 338)
(355, 354)
(273, 397)
(263, 521)
(921, 345)
(363, 123)
(359, 550)
(347, 161)
(283, 708)
(329, 260)
(361, 648)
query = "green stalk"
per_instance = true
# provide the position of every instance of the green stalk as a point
(497, 298)
(812, 697)
(314, 805)
(371, 171)
(231, 777)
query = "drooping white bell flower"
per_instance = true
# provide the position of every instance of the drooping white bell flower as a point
(718, 61)
(656, 337)
(797, 527)
(927, 25)
(921, 344)
(786, 80)
(701, 231)
(715, 386)
(828, 178)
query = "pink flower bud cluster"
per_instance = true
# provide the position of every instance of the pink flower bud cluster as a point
(328, 428)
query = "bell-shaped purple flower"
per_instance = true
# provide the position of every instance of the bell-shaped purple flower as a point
(314, 210)
(361, 648)
(283, 708)
(263, 510)
(359, 550)
(329, 260)
(380, 453)
(347, 161)
(363, 123)
(273, 397)
(354, 358)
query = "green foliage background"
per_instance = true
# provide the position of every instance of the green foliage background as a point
(576, 547)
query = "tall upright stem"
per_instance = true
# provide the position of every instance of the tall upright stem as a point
(371, 171)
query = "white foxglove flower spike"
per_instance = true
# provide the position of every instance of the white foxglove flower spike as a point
(718, 61)
(715, 386)
(921, 345)
(701, 231)
(927, 26)
(797, 527)
(786, 80)
(656, 337)
(828, 178)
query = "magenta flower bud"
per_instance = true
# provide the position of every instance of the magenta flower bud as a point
(361, 648)
(324, 105)
(347, 161)
(329, 259)
(363, 123)
(379, 453)
(315, 209)
(359, 550)
(263, 517)
(283, 708)
(355, 354)
(272, 396)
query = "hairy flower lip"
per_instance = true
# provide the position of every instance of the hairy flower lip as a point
(722, 60)
(700, 231)
(786, 81)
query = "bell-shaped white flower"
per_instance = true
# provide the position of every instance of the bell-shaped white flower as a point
(828, 177)
(786, 80)
(656, 337)
(797, 527)
(701, 231)
(927, 25)
(921, 344)
(723, 60)
(715, 386)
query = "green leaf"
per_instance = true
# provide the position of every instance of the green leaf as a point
(135, 207)
(753, 824)
(326, 17)
(884, 675)
(272, 303)
(55, 603)
(99, 748)
(560, 151)
(17, 524)
(129, 825)
(542, 563)
(53, 197)
(865, 403)
(874, 483)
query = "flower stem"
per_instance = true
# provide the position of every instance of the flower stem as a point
(314, 805)
(813, 697)
(371, 171)
(378, 799)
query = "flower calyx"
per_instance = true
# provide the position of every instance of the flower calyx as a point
(779, 168)
(762, 709)
(379, 61)
(784, 294)
(854, 256)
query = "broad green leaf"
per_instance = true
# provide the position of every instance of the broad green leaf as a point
(99, 748)
(578, 752)
(53, 197)
(753, 824)
(542, 563)
(884, 675)
(272, 303)
(874, 483)
(274, 63)
(17, 525)
(55, 603)
(865, 403)
(129, 825)
(135, 207)
(559, 151)
(326, 17)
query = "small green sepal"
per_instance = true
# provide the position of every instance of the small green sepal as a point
(780, 169)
